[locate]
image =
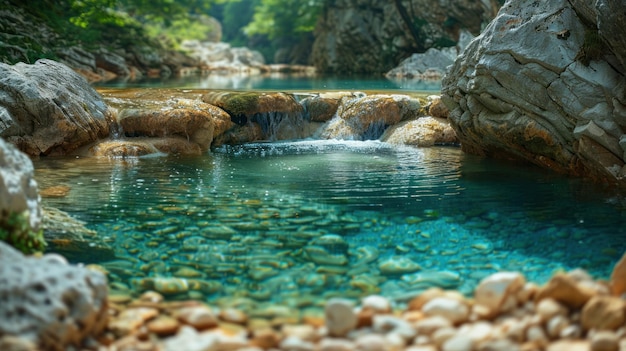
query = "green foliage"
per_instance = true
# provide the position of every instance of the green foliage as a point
(279, 18)
(16, 231)
(178, 30)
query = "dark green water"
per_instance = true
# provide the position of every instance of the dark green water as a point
(296, 222)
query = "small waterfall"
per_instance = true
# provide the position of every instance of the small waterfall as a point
(115, 128)
(373, 132)
(283, 125)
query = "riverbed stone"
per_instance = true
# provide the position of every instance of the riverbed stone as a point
(539, 84)
(452, 309)
(603, 312)
(498, 291)
(48, 109)
(340, 316)
(564, 289)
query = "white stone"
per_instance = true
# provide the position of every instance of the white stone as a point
(189, 339)
(371, 342)
(376, 303)
(340, 316)
(458, 342)
(549, 308)
(429, 325)
(294, 343)
(332, 344)
(387, 324)
(497, 291)
(453, 310)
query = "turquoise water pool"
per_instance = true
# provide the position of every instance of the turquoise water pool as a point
(298, 222)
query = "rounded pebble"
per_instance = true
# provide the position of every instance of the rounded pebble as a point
(340, 317)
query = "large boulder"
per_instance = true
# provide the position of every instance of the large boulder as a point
(49, 303)
(545, 82)
(46, 108)
(18, 188)
(372, 36)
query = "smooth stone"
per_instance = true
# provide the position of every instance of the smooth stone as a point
(163, 326)
(429, 325)
(200, 317)
(319, 255)
(293, 343)
(170, 286)
(131, 319)
(376, 303)
(458, 343)
(569, 345)
(566, 290)
(605, 341)
(331, 344)
(340, 317)
(497, 291)
(232, 315)
(371, 342)
(390, 324)
(452, 309)
(430, 279)
(603, 312)
(549, 308)
(398, 265)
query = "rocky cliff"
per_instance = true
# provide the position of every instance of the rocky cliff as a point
(546, 82)
(372, 36)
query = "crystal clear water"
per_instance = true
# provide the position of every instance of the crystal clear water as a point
(296, 222)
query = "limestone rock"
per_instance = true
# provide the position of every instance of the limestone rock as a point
(367, 118)
(194, 125)
(430, 65)
(18, 188)
(539, 84)
(423, 131)
(49, 302)
(46, 108)
(278, 115)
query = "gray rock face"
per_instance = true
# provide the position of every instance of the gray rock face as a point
(364, 36)
(46, 108)
(18, 188)
(540, 84)
(49, 302)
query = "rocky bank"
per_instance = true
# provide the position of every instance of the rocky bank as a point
(545, 83)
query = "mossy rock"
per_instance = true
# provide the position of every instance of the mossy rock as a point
(16, 231)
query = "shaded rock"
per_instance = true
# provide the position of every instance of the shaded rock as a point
(278, 115)
(367, 118)
(112, 62)
(618, 277)
(193, 125)
(136, 147)
(603, 312)
(430, 65)
(540, 85)
(436, 107)
(365, 36)
(322, 107)
(18, 188)
(566, 290)
(48, 302)
(423, 131)
(46, 108)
